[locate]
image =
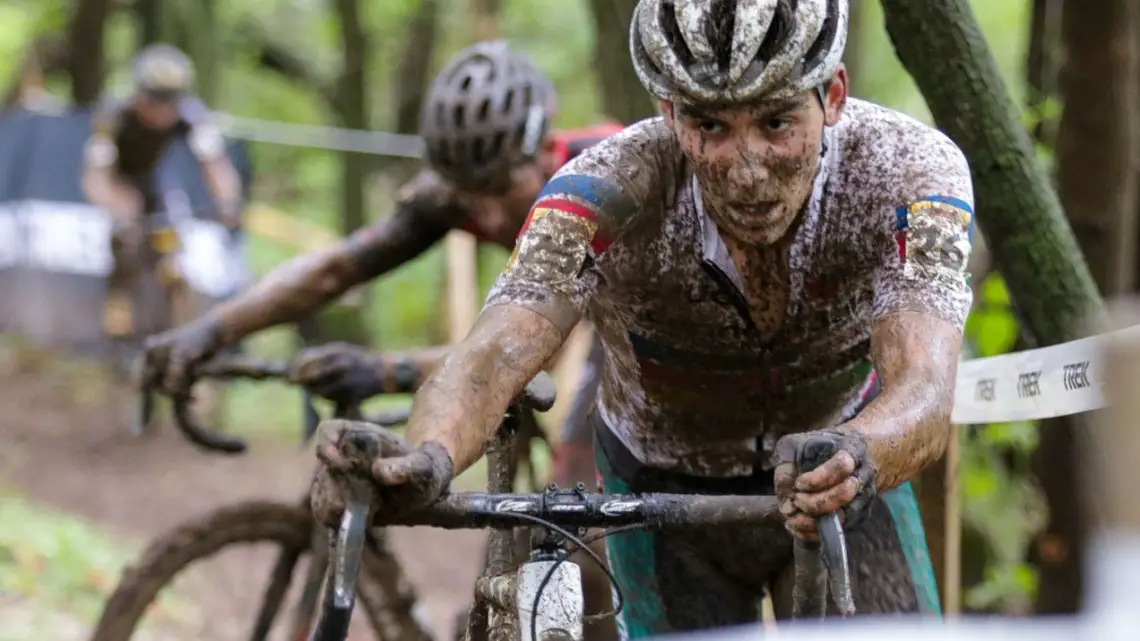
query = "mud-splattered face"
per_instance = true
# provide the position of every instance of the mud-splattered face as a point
(156, 112)
(756, 163)
(501, 210)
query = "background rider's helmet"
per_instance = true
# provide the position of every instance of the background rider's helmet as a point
(486, 111)
(735, 51)
(164, 71)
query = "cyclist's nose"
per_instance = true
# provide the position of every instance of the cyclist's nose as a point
(750, 167)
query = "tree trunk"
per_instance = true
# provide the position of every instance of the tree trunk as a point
(280, 59)
(852, 55)
(149, 18)
(415, 64)
(1041, 63)
(623, 97)
(157, 21)
(352, 106)
(1096, 142)
(86, 49)
(940, 44)
(45, 55)
(486, 14)
(1096, 149)
(202, 46)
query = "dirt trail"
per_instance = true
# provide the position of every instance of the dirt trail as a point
(66, 445)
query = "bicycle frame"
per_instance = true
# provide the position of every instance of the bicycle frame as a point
(506, 593)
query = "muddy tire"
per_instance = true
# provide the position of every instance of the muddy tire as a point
(288, 526)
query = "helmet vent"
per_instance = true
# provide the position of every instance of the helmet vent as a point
(673, 34)
(826, 34)
(783, 23)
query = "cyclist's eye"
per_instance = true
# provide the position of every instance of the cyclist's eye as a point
(710, 126)
(779, 125)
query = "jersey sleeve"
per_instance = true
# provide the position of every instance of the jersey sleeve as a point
(202, 132)
(579, 213)
(924, 269)
(101, 151)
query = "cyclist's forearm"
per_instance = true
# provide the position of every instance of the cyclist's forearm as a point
(223, 181)
(908, 424)
(287, 294)
(307, 283)
(462, 403)
(104, 189)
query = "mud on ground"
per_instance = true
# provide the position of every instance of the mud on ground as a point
(66, 445)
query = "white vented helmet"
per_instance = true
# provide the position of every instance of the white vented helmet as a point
(734, 51)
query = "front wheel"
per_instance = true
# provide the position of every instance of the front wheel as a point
(169, 595)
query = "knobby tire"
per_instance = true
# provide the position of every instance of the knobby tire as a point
(385, 596)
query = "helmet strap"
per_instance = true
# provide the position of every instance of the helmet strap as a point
(821, 93)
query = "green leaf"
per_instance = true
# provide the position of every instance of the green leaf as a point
(980, 483)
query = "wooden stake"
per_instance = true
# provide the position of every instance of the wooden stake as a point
(952, 566)
(462, 284)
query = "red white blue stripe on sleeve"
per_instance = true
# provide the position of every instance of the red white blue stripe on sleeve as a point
(585, 197)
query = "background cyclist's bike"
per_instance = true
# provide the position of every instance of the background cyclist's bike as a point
(295, 546)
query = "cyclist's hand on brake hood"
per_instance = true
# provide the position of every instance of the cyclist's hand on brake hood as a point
(172, 355)
(406, 477)
(340, 372)
(844, 483)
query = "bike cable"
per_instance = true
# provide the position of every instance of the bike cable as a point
(582, 545)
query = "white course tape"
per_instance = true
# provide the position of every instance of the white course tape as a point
(1060, 380)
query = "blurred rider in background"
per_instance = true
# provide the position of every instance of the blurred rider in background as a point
(128, 140)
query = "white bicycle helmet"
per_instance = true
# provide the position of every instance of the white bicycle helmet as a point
(735, 51)
(163, 69)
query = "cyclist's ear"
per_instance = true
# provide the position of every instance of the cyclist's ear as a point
(835, 97)
(666, 109)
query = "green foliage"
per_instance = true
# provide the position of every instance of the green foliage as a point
(884, 80)
(57, 560)
(999, 499)
(17, 26)
(991, 328)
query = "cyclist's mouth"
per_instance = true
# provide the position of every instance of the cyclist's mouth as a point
(759, 211)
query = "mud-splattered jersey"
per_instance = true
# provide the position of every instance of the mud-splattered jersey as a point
(689, 385)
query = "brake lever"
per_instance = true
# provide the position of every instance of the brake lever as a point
(146, 413)
(311, 420)
(833, 543)
(346, 543)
